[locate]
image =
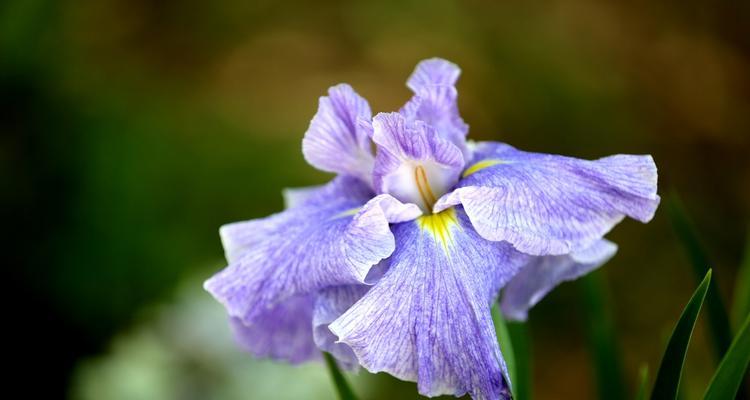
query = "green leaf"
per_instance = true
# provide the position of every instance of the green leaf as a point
(642, 383)
(514, 345)
(506, 347)
(519, 336)
(342, 387)
(731, 372)
(602, 340)
(718, 320)
(670, 371)
(741, 304)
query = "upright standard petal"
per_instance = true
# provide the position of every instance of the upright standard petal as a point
(281, 332)
(435, 100)
(428, 318)
(542, 274)
(433, 71)
(336, 141)
(550, 205)
(413, 163)
(329, 240)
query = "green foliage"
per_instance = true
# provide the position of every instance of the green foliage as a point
(514, 345)
(731, 372)
(506, 347)
(741, 304)
(342, 386)
(717, 314)
(642, 383)
(520, 338)
(670, 371)
(602, 340)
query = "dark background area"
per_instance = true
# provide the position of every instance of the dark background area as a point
(131, 130)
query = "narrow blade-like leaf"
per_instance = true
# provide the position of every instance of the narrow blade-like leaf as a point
(506, 347)
(670, 371)
(733, 368)
(642, 383)
(519, 336)
(741, 305)
(342, 386)
(718, 320)
(602, 341)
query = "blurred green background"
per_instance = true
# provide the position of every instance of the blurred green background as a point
(132, 129)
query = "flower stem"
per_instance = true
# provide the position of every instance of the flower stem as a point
(342, 386)
(512, 337)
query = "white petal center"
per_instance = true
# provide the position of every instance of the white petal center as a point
(419, 182)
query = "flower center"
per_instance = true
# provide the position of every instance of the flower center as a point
(423, 186)
(421, 183)
(440, 226)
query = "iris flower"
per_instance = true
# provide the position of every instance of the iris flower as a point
(395, 263)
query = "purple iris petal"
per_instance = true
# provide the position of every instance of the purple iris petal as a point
(413, 163)
(335, 141)
(281, 332)
(547, 204)
(435, 100)
(326, 241)
(428, 319)
(542, 274)
(240, 237)
(330, 304)
(433, 71)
